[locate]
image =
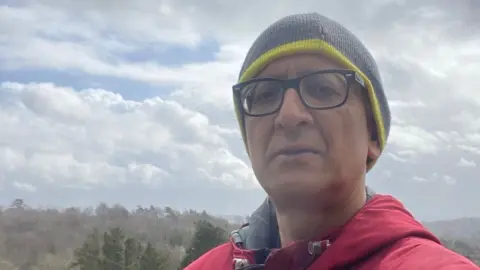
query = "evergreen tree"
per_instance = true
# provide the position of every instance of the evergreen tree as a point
(117, 252)
(152, 259)
(18, 204)
(113, 250)
(206, 237)
(88, 257)
(132, 254)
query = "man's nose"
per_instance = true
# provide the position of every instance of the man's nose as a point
(293, 113)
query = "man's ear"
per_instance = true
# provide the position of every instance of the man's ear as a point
(373, 143)
(373, 150)
(373, 147)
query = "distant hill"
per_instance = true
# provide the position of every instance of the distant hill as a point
(461, 235)
(466, 229)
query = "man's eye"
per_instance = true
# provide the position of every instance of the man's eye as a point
(263, 95)
(321, 91)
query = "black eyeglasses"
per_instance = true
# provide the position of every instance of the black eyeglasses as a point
(320, 90)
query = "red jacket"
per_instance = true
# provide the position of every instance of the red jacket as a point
(383, 235)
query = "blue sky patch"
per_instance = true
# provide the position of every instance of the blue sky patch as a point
(129, 89)
(174, 55)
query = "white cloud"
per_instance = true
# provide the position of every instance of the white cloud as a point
(420, 179)
(396, 157)
(89, 137)
(470, 149)
(414, 138)
(449, 180)
(469, 119)
(466, 163)
(24, 186)
(406, 104)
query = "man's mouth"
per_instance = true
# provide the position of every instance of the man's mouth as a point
(296, 151)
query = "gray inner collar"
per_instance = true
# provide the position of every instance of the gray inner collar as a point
(262, 230)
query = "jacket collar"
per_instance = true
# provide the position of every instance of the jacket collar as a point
(262, 229)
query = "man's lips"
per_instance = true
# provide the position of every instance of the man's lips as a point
(292, 151)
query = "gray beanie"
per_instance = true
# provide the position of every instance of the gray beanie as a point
(313, 32)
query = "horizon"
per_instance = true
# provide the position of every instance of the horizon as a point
(227, 216)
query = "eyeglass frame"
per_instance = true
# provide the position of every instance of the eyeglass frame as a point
(350, 76)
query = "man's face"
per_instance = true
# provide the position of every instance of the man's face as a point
(338, 138)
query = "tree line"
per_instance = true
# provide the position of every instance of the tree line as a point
(56, 239)
(116, 251)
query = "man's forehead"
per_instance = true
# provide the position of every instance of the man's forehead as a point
(297, 65)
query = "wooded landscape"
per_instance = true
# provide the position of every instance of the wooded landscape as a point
(114, 238)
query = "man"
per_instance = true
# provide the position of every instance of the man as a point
(314, 119)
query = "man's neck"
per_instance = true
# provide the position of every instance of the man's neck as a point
(307, 223)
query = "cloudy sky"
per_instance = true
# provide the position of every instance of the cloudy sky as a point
(130, 101)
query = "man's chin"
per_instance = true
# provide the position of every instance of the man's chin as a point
(295, 193)
(305, 181)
